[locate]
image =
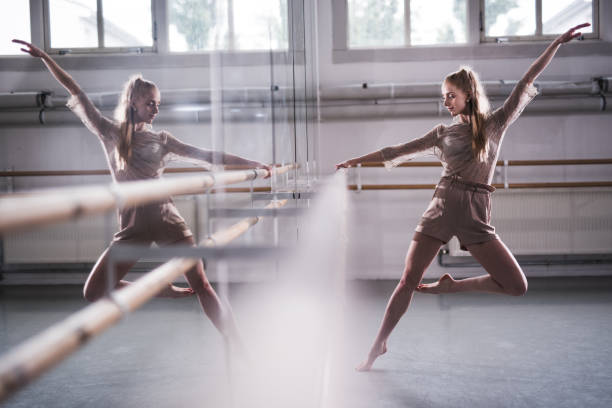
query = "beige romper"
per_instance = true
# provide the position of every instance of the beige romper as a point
(156, 222)
(461, 203)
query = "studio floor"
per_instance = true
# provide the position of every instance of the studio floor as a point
(550, 348)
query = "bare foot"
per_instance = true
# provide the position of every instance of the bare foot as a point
(444, 285)
(376, 352)
(172, 291)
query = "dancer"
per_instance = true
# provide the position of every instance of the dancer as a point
(134, 151)
(468, 150)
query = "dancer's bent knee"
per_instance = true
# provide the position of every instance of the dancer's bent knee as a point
(409, 281)
(518, 289)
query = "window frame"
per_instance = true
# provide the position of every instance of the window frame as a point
(159, 56)
(407, 28)
(473, 49)
(100, 49)
(538, 36)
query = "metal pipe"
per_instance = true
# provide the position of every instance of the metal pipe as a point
(353, 92)
(343, 110)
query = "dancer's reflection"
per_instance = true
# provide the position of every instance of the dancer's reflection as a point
(134, 151)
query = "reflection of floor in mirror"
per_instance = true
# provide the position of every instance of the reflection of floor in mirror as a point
(550, 348)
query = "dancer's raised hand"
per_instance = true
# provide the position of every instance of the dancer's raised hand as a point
(31, 49)
(570, 34)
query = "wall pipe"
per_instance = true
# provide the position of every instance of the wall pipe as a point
(258, 95)
(24, 363)
(329, 111)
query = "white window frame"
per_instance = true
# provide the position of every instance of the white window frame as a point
(159, 55)
(538, 36)
(473, 49)
(100, 49)
(342, 7)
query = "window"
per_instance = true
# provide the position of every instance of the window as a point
(98, 24)
(506, 20)
(235, 25)
(400, 23)
(15, 24)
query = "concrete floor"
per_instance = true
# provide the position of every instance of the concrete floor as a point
(550, 348)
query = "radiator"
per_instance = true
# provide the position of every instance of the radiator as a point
(551, 221)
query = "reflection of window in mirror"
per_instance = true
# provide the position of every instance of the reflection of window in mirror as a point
(14, 24)
(117, 24)
(249, 25)
(388, 23)
(536, 19)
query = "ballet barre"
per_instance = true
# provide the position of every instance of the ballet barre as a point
(25, 362)
(504, 164)
(45, 206)
(364, 187)
(104, 172)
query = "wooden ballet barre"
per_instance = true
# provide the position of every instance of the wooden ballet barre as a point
(560, 162)
(103, 172)
(25, 362)
(46, 206)
(497, 185)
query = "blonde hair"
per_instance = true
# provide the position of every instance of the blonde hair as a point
(124, 114)
(477, 107)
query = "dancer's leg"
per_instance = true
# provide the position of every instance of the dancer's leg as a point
(421, 252)
(96, 284)
(505, 274)
(222, 317)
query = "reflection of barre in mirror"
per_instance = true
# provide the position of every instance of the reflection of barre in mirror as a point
(461, 204)
(52, 205)
(27, 361)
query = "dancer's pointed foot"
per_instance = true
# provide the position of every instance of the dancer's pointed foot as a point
(444, 285)
(172, 291)
(375, 352)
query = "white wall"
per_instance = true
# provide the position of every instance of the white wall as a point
(384, 220)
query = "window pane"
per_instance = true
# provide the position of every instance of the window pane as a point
(509, 18)
(74, 23)
(191, 24)
(376, 23)
(559, 16)
(127, 23)
(14, 23)
(260, 25)
(439, 22)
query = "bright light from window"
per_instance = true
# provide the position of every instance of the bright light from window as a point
(560, 15)
(509, 18)
(260, 25)
(127, 23)
(74, 23)
(438, 22)
(14, 23)
(376, 23)
(191, 25)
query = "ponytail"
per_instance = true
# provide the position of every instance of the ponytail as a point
(124, 114)
(477, 108)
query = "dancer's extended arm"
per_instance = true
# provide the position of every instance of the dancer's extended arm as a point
(80, 104)
(543, 60)
(62, 76)
(524, 91)
(391, 152)
(180, 148)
